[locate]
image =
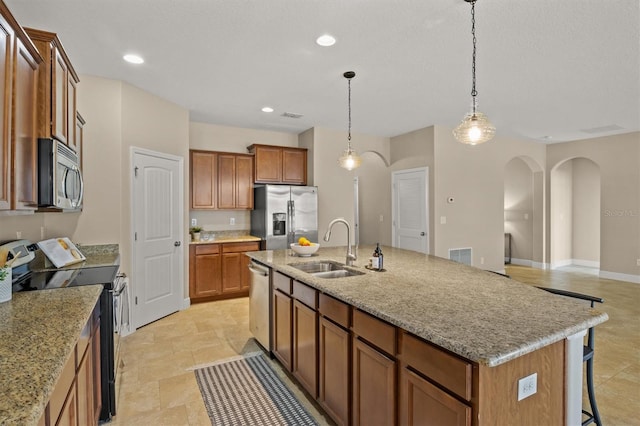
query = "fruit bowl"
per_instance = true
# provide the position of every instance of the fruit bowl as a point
(305, 250)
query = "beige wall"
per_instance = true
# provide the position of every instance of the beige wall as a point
(335, 184)
(561, 217)
(518, 209)
(586, 213)
(618, 158)
(212, 137)
(474, 176)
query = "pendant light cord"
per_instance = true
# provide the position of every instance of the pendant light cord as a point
(474, 93)
(349, 137)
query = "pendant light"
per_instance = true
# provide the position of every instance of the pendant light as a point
(475, 127)
(349, 159)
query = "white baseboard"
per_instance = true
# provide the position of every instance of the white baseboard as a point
(587, 263)
(521, 262)
(620, 277)
(561, 263)
(186, 302)
(540, 265)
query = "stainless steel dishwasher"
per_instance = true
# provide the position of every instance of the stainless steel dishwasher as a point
(259, 304)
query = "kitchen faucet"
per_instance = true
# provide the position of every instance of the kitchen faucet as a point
(350, 255)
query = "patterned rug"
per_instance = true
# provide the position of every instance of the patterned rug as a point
(246, 391)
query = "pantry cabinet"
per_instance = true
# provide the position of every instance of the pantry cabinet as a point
(19, 72)
(57, 111)
(217, 270)
(221, 181)
(277, 164)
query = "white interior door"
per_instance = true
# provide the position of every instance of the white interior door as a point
(410, 209)
(157, 202)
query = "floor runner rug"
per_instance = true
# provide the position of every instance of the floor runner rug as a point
(246, 391)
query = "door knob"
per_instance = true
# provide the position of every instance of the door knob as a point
(177, 243)
(422, 234)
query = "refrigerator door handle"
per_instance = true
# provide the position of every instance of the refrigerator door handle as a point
(293, 221)
(289, 222)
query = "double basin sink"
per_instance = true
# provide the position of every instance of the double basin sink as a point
(326, 269)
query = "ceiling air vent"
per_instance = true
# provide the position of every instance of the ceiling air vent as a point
(291, 115)
(603, 129)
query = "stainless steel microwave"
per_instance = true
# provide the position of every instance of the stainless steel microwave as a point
(60, 182)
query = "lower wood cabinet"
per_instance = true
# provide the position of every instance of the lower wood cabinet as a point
(305, 347)
(334, 370)
(374, 386)
(219, 270)
(282, 328)
(424, 404)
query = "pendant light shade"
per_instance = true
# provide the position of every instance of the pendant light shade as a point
(475, 127)
(349, 159)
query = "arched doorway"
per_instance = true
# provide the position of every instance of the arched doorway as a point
(575, 215)
(524, 212)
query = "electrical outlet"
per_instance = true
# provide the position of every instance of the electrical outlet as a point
(482, 260)
(381, 218)
(527, 386)
(19, 235)
(194, 222)
(232, 221)
(638, 262)
(443, 220)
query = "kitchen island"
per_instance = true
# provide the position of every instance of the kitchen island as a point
(499, 329)
(40, 333)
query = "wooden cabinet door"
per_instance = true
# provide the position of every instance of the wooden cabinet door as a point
(24, 121)
(71, 112)
(208, 279)
(305, 347)
(59, 97)
(245, 274)
(374, 386)
(268, 164)
(6, 77)
(244, 182)
(294, 166)
(204, 169)
(231, 275)
(333, 371)
(282, 328)
(226, 181)
(97, 378)
(69, 413)
(85, 389)
(422, 403)
(79, 137)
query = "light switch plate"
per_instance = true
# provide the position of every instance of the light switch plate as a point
(527, 386)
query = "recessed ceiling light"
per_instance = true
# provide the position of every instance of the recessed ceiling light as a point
(546, 138)
(133, 59)
(267, 109)
(326, 40)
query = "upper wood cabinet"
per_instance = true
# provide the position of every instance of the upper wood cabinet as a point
(278, 164)
(221, 180)
(79, 137)
(19, 71)
(56, 89)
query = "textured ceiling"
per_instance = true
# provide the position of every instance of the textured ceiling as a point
(565, 69)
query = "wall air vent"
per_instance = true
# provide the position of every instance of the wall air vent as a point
(291, 115)
(461, 255)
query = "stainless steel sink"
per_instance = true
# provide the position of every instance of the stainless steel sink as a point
(326, 269)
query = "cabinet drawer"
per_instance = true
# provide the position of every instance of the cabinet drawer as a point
(305, 294)
(375, 331)
(208, 249)
(240, 247)
(335, 310)
(281, 282)
(448, 370)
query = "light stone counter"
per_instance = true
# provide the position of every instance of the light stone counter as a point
(38, 331)
(476, 314)
(97, 256)
(226, 239)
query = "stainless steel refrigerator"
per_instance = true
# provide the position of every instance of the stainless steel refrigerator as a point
(282, 214)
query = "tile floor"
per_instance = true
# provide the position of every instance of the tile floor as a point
(156, 386)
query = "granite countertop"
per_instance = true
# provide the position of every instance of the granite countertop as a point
(38, 332)
(481, 316)
(229, 239)
(96, 256)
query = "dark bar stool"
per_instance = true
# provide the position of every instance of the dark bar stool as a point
(594, 415)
